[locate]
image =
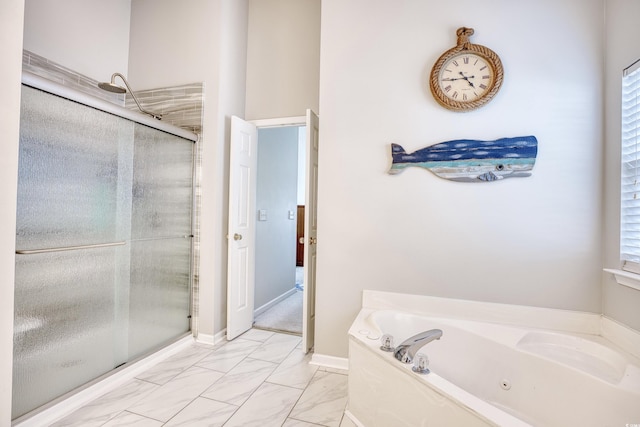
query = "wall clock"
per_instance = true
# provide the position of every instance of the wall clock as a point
(467, 76)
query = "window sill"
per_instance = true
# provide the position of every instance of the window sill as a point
(625, 278)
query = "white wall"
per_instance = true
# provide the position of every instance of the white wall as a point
(276, 194)
(90, 37)
(11, 25)
(199, 41)
(622, 49)
(283, 58)
(533, 241)
(231, 101)
(167, 42)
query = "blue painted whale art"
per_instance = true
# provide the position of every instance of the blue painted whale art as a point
(471, 160)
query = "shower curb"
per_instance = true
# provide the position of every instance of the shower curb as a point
(70, 402)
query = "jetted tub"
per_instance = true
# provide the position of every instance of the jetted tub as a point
(495, 365)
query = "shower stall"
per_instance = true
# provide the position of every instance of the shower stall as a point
(103, 240)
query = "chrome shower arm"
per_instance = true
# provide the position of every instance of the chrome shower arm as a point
(154, 115)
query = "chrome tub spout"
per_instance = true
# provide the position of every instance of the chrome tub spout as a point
(406, 351)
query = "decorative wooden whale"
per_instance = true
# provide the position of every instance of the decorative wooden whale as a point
(471, 160)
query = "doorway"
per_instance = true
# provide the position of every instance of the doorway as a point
(241, 237)
(280, 199)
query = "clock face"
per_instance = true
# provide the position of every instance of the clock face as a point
(466, 77)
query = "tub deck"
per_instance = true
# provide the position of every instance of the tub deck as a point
(494, 366)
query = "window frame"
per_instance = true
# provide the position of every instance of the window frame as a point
(630, 169)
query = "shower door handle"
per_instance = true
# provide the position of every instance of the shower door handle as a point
(68, 248)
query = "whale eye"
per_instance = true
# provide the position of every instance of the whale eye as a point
(499, 167)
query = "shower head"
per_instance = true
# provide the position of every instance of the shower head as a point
(114, 88)
(111, 87)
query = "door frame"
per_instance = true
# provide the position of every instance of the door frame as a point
(280, 122)
(275, 123)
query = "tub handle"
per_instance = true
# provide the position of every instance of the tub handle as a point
(387, 343)
(421, 364)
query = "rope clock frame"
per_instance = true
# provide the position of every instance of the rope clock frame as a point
(465, 46)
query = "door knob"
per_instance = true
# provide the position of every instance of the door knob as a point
(237, 236)
(312, 240)
(301, 240)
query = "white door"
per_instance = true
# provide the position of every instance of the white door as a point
(310, 233)
(241, 233)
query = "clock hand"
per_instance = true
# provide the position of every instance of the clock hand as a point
(467, 79)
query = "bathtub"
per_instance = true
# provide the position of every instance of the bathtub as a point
(495, 365)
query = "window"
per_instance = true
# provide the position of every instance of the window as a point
(630, 170)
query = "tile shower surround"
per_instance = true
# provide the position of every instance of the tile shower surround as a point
(260, 379)
(181, 106)
(49, 70)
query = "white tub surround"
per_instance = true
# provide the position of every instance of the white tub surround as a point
(495, 365)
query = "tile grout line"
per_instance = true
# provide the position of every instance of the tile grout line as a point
(139, 415)
(200, 394)
(265, 381)
(250, 395)
(298, 401)
(211, 351)
(202, 397)
(160, 385)
(224, 374)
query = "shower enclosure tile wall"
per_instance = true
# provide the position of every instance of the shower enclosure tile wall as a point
(54, 72)
(179, 105)
(103, 259)
(182, 106)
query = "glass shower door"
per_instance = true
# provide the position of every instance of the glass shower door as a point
(160, 239)
(103, 245)
(73, 222)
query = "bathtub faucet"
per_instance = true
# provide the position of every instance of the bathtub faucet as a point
(406, 351)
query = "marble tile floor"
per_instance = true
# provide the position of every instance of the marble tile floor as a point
(259, 379)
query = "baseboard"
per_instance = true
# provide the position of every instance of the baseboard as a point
(220, 336)
(212, 339)
(330, 361)
(258, 311)
(65, 405)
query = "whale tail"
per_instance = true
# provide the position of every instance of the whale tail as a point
(397, 152)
